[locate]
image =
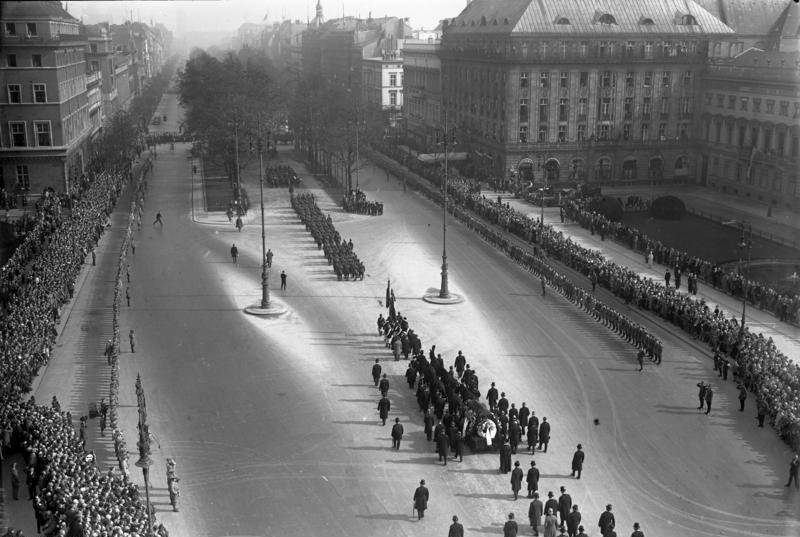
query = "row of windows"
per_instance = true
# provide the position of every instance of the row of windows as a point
(23, 177)
(30, 29)
(18, 134)
(754, 104)
(38, 93)
(764, 177)
(606, 107)
(606, 79)
(603, 132)
(13, 61)
(762, 138)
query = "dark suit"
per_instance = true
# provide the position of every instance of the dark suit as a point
(544, 435)
(421, 496)
(564, 507)
(533, 481)
(397, 435)
(516, 481)
(577, 463)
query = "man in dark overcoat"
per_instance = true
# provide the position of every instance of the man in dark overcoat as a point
(564, 505)
(505, 457)
(533, 431)
(376, 371)
(397, 433)
(535, 512)
(516, 479)
(532, 479)
(577, 462)
(544, 434)
(421, 496)
(384, 406)
(442, 443)
(514, 435)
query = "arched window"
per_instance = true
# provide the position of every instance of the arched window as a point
(607, 18)
(646, 21)
(682, 163)
(688, 20)
(562, 20)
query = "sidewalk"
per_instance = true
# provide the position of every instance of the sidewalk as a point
(785, 336)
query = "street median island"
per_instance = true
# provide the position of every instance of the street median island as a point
(434, 298)
(273, 309)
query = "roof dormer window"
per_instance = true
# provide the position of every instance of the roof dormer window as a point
(688, 20)
(562, 20)
(646, 21)
(604, 18)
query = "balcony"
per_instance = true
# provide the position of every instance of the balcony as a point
(459, 49)
(44, 39)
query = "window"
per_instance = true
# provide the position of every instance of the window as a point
(605, 132)
(393, 98)
(563, 47)
(31, 29)
(784, 108)
(523, 110)
(11, 29)
(583, 49)
(629, 79)
(756, 105)
(11, 60)
(523, 134)
(18, 135)
(544, 80)
(648, 50)
(39, 93)
(743, 104)
(666, 78)
(646, 107)
(626, 131)
(629, 47)
(664, 107)
(686, 105)
(781, 148)
(770, 106)
(42, 129)
(23, 179)
(523, 80)
(542, 133)
(742, 135)
(392, 79)
(14, 93)
(581, 133)
(645, 132)
(36, 60)
(562, 133)
(605, 79)
(688, 20)
(731, 102)
(584, 79)
(563, 109)
(683, 130)
(563, 79)
(605, 108)
(605, 49)
(687, 77)
(662, 131)
(709, 99)
(582, 105)
(607, 18)
(627, 107)
(720, 100)
(767, 139)
(544, 106)
(666, 49)
(648, 79)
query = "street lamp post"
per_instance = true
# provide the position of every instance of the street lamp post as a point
(264, 267)
(444, 290)
(745, 242)
(144, 461)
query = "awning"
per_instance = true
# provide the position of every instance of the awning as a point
(439, 157)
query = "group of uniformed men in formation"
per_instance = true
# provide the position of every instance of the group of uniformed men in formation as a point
(357, 202)
(281, 175)
(339, 253)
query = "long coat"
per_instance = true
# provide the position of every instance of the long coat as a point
(535, 512)
(516, 479)
(505, 458)
(577, 460)
(573, 520)
(564, 506)
(544, 431)
(421, 496)
(383, 407)
(533, 479)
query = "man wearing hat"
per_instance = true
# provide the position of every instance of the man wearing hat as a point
(397, 434)
(510, 529)
(456, 529)
(532, 479)
(492, 397)
(564, 506)
(573, 520)
(577, 462)
(607, 522)
(516, 479)
(794, 467)
(581, 532)
(535, 512)
(421, 496)
(636, 531)
(701, 394)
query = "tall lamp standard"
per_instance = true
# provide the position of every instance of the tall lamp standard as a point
(235, 125)
(266, 307)
(745, 242)
(444, 138)
(144, 462)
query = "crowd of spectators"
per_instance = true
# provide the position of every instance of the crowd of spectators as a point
(70, 494)
(282, 175)
(785, 306)
(770, 374)
(356, 202)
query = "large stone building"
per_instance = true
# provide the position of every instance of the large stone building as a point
(422, 87)
(45, 105)
(751, 127)
(553, 90)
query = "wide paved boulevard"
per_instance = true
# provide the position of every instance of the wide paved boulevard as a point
(274, 422)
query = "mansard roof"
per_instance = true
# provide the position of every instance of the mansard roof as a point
(51, 11)
(748, 17)
(578, 17)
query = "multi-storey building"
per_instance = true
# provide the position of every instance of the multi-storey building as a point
(45, 106)
(751, 127)
(422, 89)
(555, 90)
(382, 87)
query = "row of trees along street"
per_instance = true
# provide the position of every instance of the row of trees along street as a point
(237, 98)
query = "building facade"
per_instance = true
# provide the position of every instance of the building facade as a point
(422, 89)
(751, 127)
(45, 103)
(382, 88)
(552, 91)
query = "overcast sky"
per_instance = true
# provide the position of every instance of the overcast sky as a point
(219, 15)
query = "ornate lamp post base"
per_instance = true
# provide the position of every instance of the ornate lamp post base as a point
(273, 309)
(443, 296)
